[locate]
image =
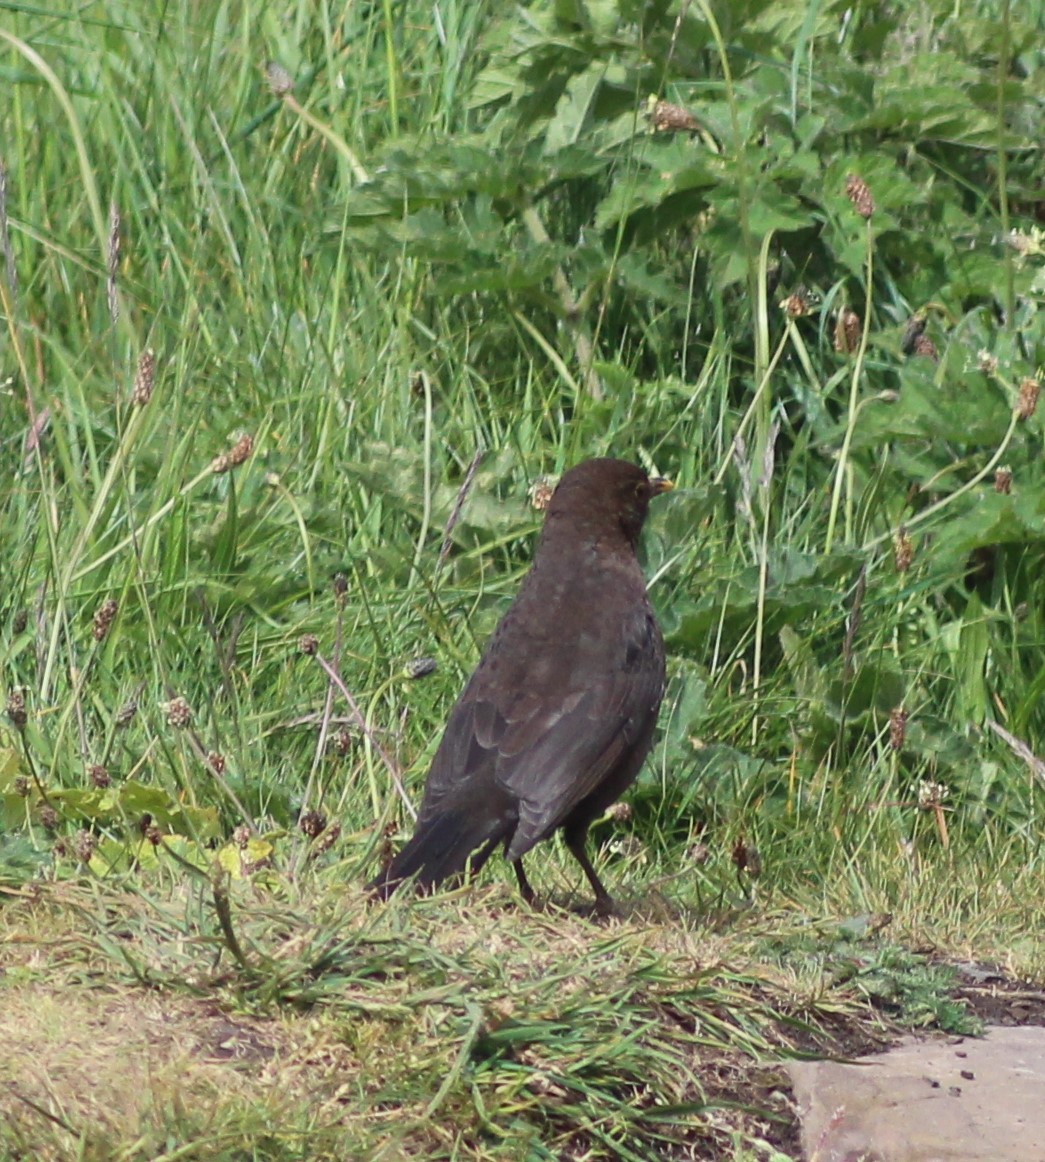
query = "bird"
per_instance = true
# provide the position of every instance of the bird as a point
(559, 715)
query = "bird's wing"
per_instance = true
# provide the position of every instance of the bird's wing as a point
(550, 733)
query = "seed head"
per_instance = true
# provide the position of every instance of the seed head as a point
(903, 551)
(987, 363)
(239, 452)
(340, 584)
(931, 795)
(897, 728)
(421, 667)
(49, 817)
(241, 836)
(84, 844)
(216, 762)
(699, 854)
(327, 840)
(1027, 403)
(541, 491)
(619, 812)
(312, 823)
(308, 644)
(114, 263)
(859, 193)
(747, 858)
(1003, 480)
(145, 379)
(342, 743)
(104, 616)
(847, 331)
(16, 710)
(179, 713)
(797, 305)
(23, 785)
(99, 775)
(280, 81)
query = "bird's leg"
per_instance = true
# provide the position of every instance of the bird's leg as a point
(525, 890)
(575, 841)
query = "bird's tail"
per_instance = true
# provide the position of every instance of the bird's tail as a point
(440, 848)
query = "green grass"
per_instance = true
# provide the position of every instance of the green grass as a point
(457, 236)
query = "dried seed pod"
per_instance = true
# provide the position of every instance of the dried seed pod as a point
(1027, 403)
(848, 330)
(342, 742)
(1003, 480)
(216, 762)
(859, 193)
(308, 644)
(49, 817)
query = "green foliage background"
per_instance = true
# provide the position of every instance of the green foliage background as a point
(462, 232)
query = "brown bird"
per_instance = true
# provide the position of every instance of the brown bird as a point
(559, 715)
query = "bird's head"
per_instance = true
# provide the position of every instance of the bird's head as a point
(605, 496)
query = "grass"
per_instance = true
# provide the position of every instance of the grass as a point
(449, 262)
